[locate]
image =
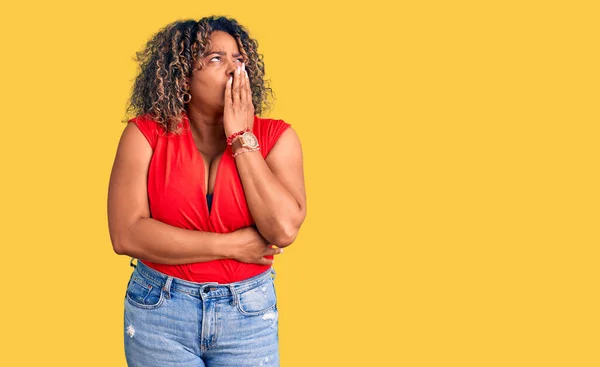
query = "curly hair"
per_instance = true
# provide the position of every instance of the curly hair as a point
(160, 88)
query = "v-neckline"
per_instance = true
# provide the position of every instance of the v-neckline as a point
(203, 187)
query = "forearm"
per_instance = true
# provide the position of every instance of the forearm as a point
(275, 211)
(152, 240)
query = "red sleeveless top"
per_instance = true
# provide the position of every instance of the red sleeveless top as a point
(176, 194)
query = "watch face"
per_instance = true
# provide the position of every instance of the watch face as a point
(250, 140)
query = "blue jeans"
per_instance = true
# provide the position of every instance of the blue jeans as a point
(173, 322)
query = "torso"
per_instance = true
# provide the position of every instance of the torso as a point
(179, 178)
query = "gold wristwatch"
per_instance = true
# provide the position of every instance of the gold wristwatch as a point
(246, 140)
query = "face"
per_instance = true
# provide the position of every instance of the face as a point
(207, 85)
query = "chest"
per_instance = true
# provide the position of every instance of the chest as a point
(179, 178)
(211, 169)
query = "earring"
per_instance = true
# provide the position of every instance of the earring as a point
(189, 97)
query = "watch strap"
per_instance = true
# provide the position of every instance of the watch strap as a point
(236, 144)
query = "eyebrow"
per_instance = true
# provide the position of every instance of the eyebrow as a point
(222, 53)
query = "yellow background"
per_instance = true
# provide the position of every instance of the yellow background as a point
(451, 162)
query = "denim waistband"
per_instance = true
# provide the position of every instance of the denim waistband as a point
(204, 290)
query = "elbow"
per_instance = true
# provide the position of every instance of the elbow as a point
(285, 236)
(119, 244)
(121, 237)
(119, 247)
(288, 231)
(283, 232)
(283, 240)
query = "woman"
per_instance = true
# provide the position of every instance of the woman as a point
(203, 193)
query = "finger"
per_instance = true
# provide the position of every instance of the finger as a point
(236, 86)
(273, 251)
(249, 104)
(247, 90)
(264, 261)
(228, 92)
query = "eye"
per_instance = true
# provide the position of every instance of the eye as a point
(219, 57)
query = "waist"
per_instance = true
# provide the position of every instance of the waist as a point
(217, 271)
(195, 288)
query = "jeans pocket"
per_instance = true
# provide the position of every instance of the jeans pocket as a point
(143, 294)
(257, 300)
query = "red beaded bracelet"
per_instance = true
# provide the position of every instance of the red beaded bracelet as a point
(235, 135)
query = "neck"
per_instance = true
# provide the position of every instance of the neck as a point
(207, 129)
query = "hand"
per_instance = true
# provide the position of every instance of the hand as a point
(238, 113)
(253, 247)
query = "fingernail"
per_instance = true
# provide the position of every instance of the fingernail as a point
(239, 70)
(230, 79)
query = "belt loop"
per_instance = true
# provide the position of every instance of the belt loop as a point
(167, 286)
(234, 302)
(131, 263)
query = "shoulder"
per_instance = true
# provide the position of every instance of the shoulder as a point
(148, 127)
(277, 136)
(264, 124)
(145, 120)
(268, 131)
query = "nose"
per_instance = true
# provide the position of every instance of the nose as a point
(231, 68)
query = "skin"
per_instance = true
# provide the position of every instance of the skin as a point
(206, 109)
(221, 104)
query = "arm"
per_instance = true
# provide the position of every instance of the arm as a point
(274, 188)
(135, 234)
